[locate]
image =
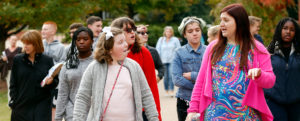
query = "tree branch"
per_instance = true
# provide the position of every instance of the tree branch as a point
(18, 30)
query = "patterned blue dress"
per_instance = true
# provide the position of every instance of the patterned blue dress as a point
(229, 87)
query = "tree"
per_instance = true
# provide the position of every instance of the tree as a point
(131, 8)
(17, 15)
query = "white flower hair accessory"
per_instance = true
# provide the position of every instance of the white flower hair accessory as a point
(108, 33)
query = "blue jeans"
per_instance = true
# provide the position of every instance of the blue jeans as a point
(168, 83)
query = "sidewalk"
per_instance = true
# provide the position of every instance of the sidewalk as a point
(167, 104)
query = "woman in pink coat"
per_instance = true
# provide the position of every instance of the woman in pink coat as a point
(234, 71)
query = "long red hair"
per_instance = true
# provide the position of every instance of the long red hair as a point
(243, 36)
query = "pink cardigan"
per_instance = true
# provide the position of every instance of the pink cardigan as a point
(254, 97)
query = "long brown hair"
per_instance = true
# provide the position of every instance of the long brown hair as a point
(125, 21)
(242, 35)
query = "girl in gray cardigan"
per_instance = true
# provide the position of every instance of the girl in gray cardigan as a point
(78, 58)
(113, 87)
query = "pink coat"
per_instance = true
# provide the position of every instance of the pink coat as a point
(254, 97)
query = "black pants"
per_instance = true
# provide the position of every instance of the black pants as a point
(284, 112)
(182, 107)
(144, 116)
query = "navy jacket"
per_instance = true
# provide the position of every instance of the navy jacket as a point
(287, 86)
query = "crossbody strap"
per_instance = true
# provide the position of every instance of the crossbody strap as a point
(102, 116)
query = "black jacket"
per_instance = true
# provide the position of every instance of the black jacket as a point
(157, 61)
(287, 87)
(29, 101)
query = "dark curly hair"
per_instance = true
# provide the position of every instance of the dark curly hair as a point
(278, 39)
(72, 60)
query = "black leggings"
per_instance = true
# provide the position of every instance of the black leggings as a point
(182, 107)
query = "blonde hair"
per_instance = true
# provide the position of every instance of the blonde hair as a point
(103, 48)
(33, 37)
(253, 19)
(168, 27)
(214, 30)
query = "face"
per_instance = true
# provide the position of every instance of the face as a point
(129, 34)
(84, 42)
(72, 32)
(168, 33)
(210, 37)
(228, 25)
(48, 31)
(142, 32)
(96, 27)
(13, 40)
(288, 32)
(29, 48)
(254, 28)
(120, 48)
(193, 33)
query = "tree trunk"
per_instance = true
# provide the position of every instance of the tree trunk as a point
(3, 37)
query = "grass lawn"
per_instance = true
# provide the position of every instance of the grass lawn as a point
(4, 109)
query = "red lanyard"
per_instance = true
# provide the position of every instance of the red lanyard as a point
(102, 116)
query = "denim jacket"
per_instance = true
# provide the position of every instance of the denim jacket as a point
(186, 60)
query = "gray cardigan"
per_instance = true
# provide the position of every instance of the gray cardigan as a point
(90, 94)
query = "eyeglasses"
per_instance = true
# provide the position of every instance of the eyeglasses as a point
(129, 30)
(143, 33)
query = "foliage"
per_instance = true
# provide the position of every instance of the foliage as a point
(269, 14)
(16, 15)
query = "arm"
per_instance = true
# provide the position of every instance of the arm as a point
(147, 97)
(149, 71)
(13, 82)
(267, 77)
(158, 45)
(194, 75)
(158, 64)
(63, 94)
(177, 77)
(83, 97)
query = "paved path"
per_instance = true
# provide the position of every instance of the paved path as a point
(168, 104)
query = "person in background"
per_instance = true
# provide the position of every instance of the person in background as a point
(113, 87)
(95, 24)
(79, 57)
(212, 33)
(142, 32)
(166, 47)
(10, 53)
(187, 62)
(284, 98)
(54, 49)
(141, 55)
(233, 73)
(72, 28)
(255, 23)
(29, 101)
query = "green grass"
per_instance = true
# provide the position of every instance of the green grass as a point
(4, 109)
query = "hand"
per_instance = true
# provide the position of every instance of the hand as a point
(190, 116)
(4, 58)
(49, 80)
(187, 75)
(157, 79)
(254, 73)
